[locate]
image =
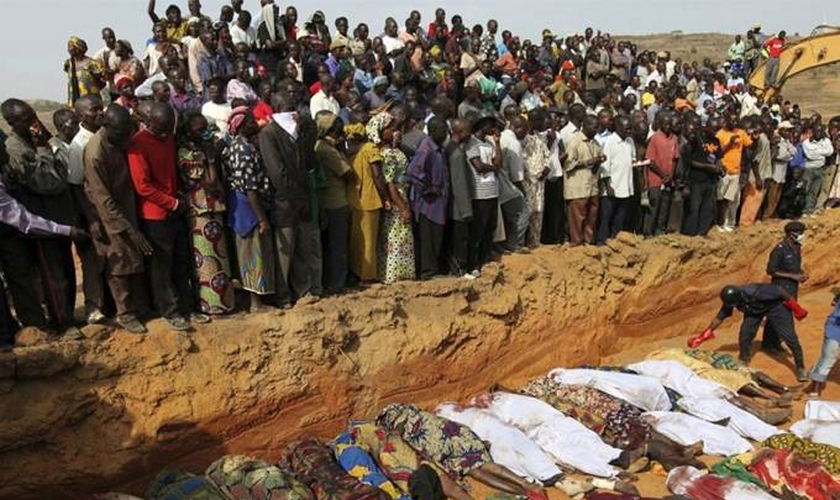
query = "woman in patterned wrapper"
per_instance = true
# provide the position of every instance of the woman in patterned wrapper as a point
(201, 185)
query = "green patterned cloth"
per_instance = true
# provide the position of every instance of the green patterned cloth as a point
(719, 360)
(246, 478)
(732, 467)
(179, 485)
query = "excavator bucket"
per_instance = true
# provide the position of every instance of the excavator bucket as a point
(812, 52)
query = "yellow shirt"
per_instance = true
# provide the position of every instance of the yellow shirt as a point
(732, 156)
(362, 193)
(175, 33)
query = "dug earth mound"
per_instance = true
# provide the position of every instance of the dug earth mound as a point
(110, 411)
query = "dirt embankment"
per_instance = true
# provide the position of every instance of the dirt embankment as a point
(110, 411)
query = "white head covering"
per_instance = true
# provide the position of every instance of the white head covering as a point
(269, 20)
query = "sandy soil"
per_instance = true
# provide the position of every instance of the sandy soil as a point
(109, 412)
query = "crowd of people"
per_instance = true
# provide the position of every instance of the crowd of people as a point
(291, 160)
(585, 431)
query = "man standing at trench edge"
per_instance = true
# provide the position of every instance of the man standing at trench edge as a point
(785, 270)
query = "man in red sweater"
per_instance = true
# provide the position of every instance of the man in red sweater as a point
(154, 171)
(774, 47)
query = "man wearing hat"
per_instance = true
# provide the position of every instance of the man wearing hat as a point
(338, 56)
(785, 270)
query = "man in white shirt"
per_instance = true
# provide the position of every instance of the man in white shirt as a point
(90, 112)
(616, 180)
(576, 114)
(633, 89)
(394, 46)
(657, 75)
(107, 55)
(242, 31)
(554, 211)
(324, 100)
(511, 175)
(816, 149)
(485, 159)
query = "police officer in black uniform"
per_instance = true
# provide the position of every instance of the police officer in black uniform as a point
(758, 301)
(785, 270)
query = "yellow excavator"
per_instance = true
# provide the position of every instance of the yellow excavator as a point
(819, 49)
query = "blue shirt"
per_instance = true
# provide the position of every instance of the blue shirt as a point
(363, 80)
(213, 65)
(832, 324)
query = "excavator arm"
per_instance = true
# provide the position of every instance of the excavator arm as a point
(805, 55)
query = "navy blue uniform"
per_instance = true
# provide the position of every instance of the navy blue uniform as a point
(759, 301)
(786, 257)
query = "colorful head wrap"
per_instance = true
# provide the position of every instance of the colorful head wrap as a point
(122, 81)
(376, 125)
(237, 118)
(395, 415)
(77, 43)
(354, 131)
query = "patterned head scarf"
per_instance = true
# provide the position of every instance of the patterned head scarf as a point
(395, 415)
(78, 44)
(376, 125)
(268, 16)
(354, 131)
(237, 118)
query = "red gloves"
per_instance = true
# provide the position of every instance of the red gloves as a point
(798, 311)
(694, 342)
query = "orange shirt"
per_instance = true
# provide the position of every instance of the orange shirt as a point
(731, 159)
(681, 104)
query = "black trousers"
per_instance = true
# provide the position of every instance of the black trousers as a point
(430, 246)
(458, 245)
(613, 213)
(701, 209)
(655, 217)
(334, 242)
(8, 325)
(171, 266)
(781, 320)
(485, 217)
(54, 258)
(770, 340)
(18, 266)
(554, 213)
